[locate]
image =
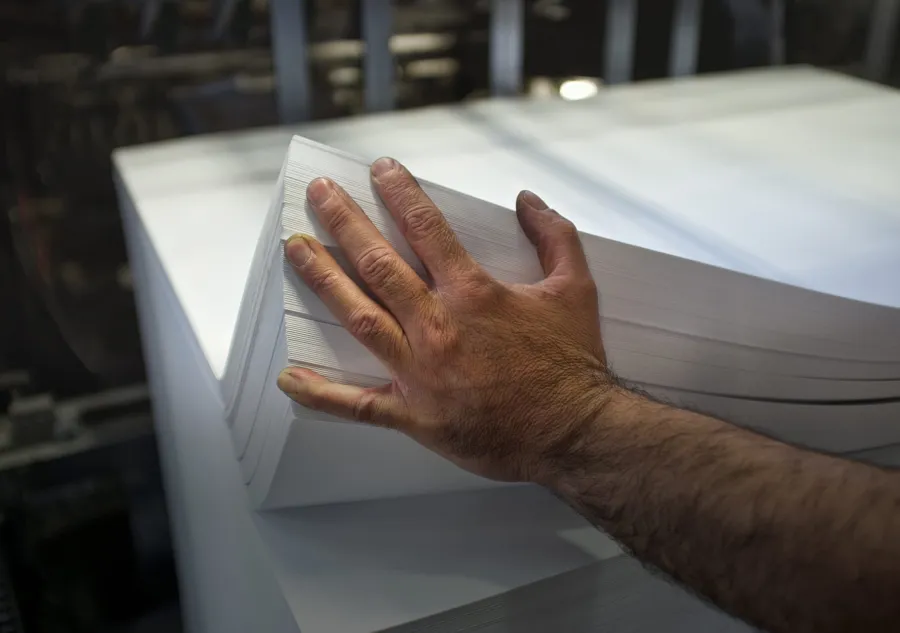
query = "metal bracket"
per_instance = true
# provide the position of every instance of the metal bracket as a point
(289, 55)
(777, 44)
(621, 19)
(685, 38)
(224, 13)
(882, 38)
(378, 63)
(506, 47)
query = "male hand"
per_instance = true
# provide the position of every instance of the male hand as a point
(501, 379)
(510, 382)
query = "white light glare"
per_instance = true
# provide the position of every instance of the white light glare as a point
(576, 89)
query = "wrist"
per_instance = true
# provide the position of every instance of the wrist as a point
(592, 427)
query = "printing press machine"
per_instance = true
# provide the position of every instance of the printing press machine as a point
(495, 560)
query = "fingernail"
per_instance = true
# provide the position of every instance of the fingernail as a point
(319, 190)
(292, 379)
(286, 382)
(383, 166)
(297, 249)
(533, 201)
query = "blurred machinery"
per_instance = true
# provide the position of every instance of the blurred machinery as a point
(83, 531)
(85, 76)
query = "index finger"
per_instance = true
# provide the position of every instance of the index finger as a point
(375, 260)
(421, 222)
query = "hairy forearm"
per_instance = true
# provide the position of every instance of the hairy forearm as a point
(787, 539)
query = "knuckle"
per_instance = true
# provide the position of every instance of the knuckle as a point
(322, 281)
(421, 219)
(557, 292)
(443, 342)
(479, 289)
(398, 184)
(442, 337)
(579, 290)
(583, 287)
(338, 217)
(364, 324)
(365, 409)
(566, 229)
(487, 288)
(376, 265)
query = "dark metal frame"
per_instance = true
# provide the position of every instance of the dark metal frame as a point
(289, 36)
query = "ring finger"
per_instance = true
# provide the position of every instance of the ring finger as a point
(360, 315)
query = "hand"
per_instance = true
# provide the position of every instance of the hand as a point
(501, 379)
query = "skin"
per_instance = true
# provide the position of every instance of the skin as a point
(511, 382)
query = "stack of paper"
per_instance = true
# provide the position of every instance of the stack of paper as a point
(821, 369)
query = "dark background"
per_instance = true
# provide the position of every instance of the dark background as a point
(84, 542)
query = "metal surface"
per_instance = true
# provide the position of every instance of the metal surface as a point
(10, 620)
(621, 19)
(882, 38)
(149, 15)
(378, 64)
(685, 38)
(289, 53)
(751, 21)
(777, 44)
(506, 47)
(39, 429)
(86, 496)
(224, 12)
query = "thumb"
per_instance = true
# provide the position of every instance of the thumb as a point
(555, 238)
